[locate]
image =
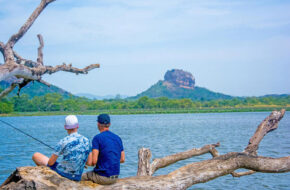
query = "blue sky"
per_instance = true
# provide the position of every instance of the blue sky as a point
(236, 47)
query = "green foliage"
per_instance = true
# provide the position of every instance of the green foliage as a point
(55, 102)
(198, 93)
(5, 105)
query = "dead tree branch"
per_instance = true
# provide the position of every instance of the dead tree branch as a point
(240, 174)
(8, 90)
(2, 46)
(22, 85)
(40, 54)
(269, 124)
(28, 70)
(44, 82)
(24, 28)
(67, 68)
(182, 178)
(25, 62)
(147, 169)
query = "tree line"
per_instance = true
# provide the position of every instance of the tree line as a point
(55, 102)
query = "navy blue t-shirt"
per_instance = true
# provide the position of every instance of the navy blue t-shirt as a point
(110, 147)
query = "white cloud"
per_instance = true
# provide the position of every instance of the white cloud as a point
(196, 35)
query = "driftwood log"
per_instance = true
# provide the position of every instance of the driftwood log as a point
(28, 70)
(182, 178)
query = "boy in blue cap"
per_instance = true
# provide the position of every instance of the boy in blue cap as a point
(107, 154)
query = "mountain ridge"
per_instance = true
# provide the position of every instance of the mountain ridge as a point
(177, 84)
(180, 84)
(198, 93)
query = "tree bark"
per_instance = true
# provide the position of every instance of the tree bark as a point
(182, 178)
(147, 169)
(269, 124)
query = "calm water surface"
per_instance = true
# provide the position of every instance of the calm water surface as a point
(163, 134)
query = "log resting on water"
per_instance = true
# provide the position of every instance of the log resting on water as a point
(182, 178)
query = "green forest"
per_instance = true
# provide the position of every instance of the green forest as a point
(54, 102)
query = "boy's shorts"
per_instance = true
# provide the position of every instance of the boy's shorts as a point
(69, 176)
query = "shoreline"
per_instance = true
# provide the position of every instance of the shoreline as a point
(147, 111)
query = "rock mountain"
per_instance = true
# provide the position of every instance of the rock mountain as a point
(180, 84)
(176, 84)
(179, 78)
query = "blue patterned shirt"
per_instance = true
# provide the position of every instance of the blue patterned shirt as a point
(74, 149)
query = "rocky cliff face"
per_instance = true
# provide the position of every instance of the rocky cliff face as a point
(179, 78)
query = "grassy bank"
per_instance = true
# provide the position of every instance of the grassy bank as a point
(149, 111)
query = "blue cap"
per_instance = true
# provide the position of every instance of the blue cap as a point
(104, 119)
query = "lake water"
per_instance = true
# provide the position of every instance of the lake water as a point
(163, 134)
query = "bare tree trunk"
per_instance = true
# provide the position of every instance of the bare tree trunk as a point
(182, 178)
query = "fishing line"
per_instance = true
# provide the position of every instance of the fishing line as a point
(27, 134)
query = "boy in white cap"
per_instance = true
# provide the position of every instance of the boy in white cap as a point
(74, 150)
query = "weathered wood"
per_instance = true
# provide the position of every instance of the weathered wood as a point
(8, 90)
(182, 178)
(144, 157)
(2, 46)
(16, 66)
(39, 50)
(240, 174)
(25, 27)
(269, 124)
(147, 169)
(168, 160)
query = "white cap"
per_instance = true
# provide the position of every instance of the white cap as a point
(71, 122)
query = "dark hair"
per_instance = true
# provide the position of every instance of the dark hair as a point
(104, 125)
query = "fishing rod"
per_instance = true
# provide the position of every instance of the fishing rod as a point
(26, 134)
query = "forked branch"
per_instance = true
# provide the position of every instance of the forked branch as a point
(28, 70)
(147, 169)
(269, 124)
(24, 28)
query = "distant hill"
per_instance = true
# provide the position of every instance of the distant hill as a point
(177, 84)
(35, 89)
(198, 93)
(180, 84)
(96, 97)
(275, 95)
